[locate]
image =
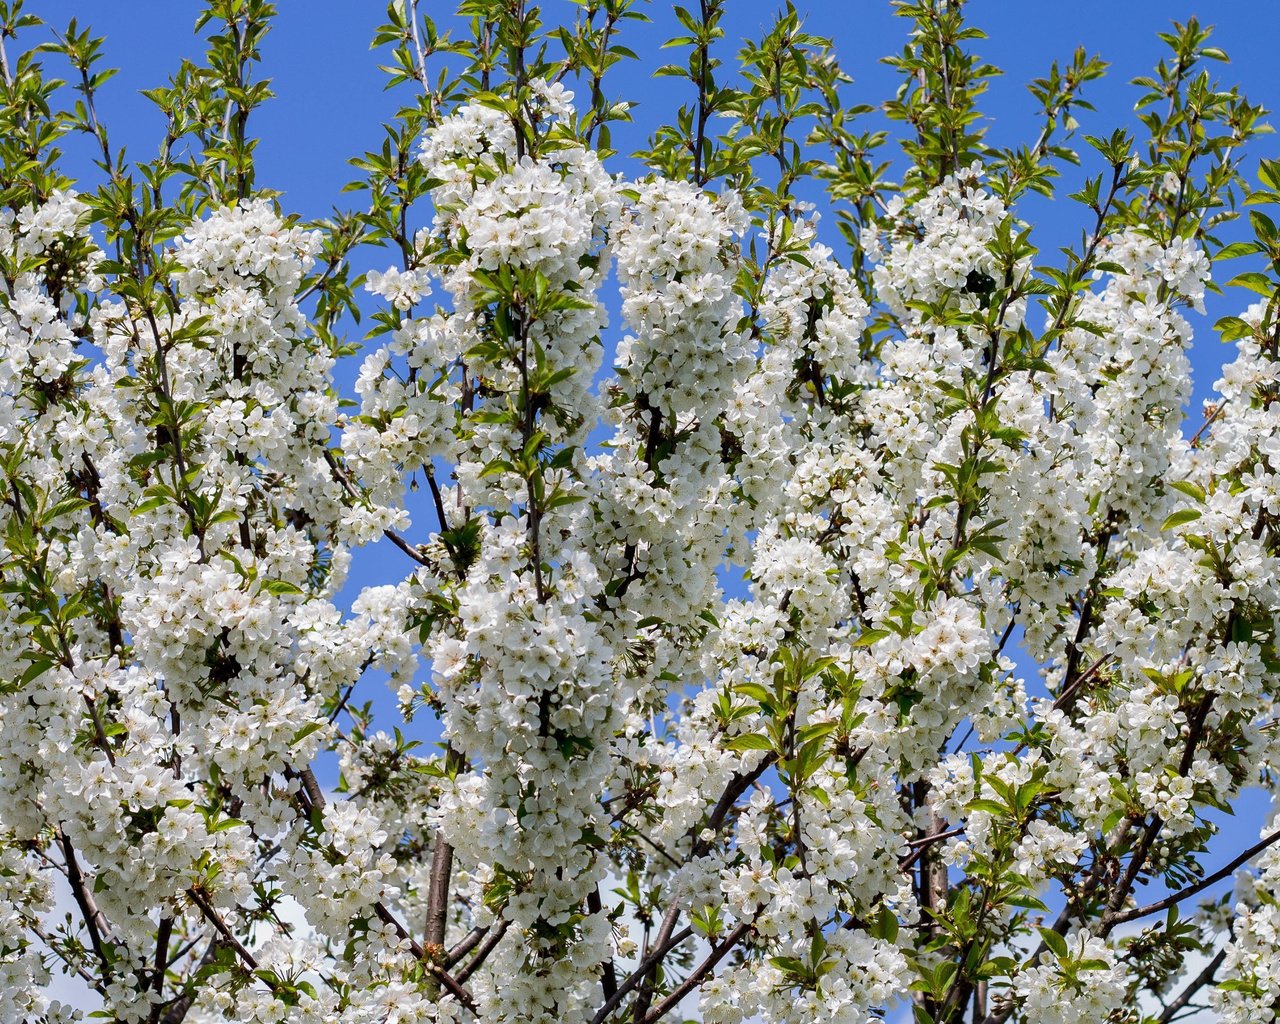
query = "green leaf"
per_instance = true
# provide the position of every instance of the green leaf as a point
(751, 741)
(1183, 515)
(281, 587)
(150, 505)
(1236, 249)
(1254, 281)
(1191, 490)
(1055, 942)
(755, 691)
(305, 731)
(788, 963)
(870, 636)
(495, 467)
(1232, 328)
(65, 507)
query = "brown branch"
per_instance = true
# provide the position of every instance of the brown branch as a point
(441, 873)
(662, 940)
(1067, 697)
(1139, 859)
(482, 954)
(94, 921)
(438, 895)
(919, 845)
(468, 943)
(315, 801)
(699, 972)
(99, 732)
(94, 983)
(405, 546)
(386, 917)
(1194, 986)
(650, 961)
(609, 973)
(453, 987)
(658, 848)
(1174, 898)
(340, 475)
(1208, 422)
(163, 935)
(738, 785)
(315, 795)
(215, 919)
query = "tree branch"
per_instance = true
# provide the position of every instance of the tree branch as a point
(1175, 898)
(643, 968)
(701, 971)
(482, 954)
(94, 921)
(215, 919)
(1194, 986)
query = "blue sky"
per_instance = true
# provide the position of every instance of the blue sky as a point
(330, 101)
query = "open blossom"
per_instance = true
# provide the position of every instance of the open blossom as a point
(404, 289)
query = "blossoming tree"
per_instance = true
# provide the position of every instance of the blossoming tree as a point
(828, 795)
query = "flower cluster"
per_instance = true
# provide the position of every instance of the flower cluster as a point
(780, 654)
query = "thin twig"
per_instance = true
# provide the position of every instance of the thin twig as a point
(215, 919)
(482, 954)
(651, 960)
(1191, 890)
(468, 943)
(1194, 986)
(701, 971)
(94, 921)
(923, 842)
